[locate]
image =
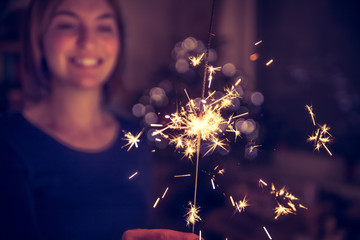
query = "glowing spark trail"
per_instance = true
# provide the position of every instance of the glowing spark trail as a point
(267, 233)
(232, 201)
(257, 43)
(166, 190)
(212, 183)
(262, 183)
(132, 140)
(157, 201)
(269, 62)
(212, 71)
(133, 175)
(310, 109)
(183, 175)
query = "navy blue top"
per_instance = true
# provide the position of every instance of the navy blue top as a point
(51, 191)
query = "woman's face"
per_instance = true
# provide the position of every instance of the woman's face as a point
(81, 43)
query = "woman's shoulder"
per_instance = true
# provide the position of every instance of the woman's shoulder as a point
(10, 123)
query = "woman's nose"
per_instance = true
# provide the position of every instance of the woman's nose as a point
(86, 38)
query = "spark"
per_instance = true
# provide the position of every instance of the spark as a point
(166, 190)
(200, 235)
(252, 147)
(216, 143)
(232, 201)
(132, 140)
(133, 175)
(183, 175)
(212, 183)
(321, 137)
(257, 43)
(238, 82)
(302, 206)
(281, 210)
(286, 198)
(192, 215)
(242, 205)
(211, 71)
(270, 62)
(196, 60)
(310, 110)
(267, 233)
(156, 125)
(156, 202)
(262, 183)
(221, 171)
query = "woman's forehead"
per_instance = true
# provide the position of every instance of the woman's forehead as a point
(88, 8)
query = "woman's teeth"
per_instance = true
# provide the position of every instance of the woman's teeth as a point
(86, 62)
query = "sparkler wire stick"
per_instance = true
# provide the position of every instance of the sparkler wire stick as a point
(202, 97)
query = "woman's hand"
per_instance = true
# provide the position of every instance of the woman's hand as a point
(158, 234)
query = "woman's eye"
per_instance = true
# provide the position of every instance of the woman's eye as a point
(65, 26)
(105, 29)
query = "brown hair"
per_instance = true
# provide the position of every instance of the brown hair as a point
(36, 77)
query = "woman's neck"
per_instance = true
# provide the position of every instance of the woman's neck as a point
(77, 108)
(73, 110)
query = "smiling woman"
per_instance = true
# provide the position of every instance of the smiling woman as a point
(57, 26)
(63, 172)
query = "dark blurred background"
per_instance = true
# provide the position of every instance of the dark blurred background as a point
(314, 46)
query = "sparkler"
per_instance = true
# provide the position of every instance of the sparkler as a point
(201, 121)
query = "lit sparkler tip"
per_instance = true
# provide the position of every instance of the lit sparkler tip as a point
(269, 62)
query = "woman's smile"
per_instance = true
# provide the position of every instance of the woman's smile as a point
(86, 62)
